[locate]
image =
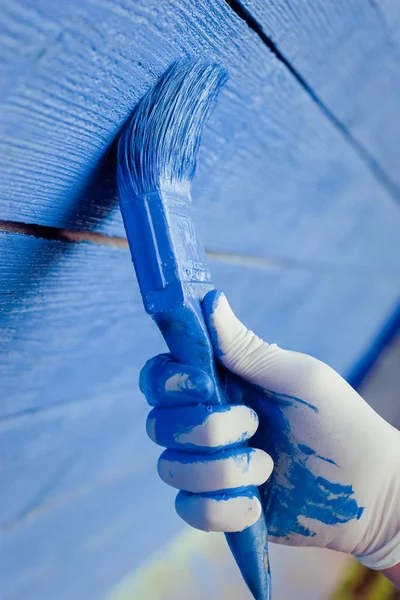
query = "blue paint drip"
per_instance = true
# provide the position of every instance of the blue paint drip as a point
(310, 452)
(306, 449)
(286, 400)
(360, 512)
(328, 460)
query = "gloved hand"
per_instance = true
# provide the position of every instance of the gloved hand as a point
(330, 463)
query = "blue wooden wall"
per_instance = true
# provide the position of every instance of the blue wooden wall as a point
(297, 201)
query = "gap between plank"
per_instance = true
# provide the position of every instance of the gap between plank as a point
(312, 266)
(371, 163)
(61, 235)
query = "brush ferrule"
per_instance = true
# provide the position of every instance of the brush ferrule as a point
(167, 256)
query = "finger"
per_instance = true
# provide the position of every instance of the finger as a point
(165, 382)
(201, 427)
(222, 512)
(199, 473)
(238, 348)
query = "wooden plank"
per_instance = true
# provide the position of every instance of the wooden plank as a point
(276, 178)
(346, 52)
(65, 308)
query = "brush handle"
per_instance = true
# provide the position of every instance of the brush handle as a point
(173, 279)
(186, 335)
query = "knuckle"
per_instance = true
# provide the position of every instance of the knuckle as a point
(151, 370)
(167, 383)
(151, 425)
(225, 513)
(265, 466)
(205, 473)
(216, 427)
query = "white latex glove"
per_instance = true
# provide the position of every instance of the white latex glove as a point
(335, 481)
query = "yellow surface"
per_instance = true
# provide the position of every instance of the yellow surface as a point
(360, 583)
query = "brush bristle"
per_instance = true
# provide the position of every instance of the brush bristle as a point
(159, 144)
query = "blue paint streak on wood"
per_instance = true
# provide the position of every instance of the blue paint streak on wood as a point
(270, 159)
(79, 480)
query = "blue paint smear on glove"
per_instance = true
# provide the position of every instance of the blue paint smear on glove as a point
(304, 493)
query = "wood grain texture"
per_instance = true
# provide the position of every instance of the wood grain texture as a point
(81, 503)
(275, 177)
(65, 309)
(346, 53)
(78, 549)
(79, 479)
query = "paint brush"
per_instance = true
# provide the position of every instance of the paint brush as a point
(156, 164)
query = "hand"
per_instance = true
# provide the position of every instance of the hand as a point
(335, 477)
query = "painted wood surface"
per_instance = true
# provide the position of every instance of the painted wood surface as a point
(270, 161)
(65, 308)
(294, 217)
(346, 55)
(78, 466)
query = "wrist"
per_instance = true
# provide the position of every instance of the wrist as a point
(385, 558)
(383, 549)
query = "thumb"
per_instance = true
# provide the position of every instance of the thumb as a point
(236, 347)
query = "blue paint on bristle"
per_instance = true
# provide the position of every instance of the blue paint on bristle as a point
(157, 160)
(159, 145)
